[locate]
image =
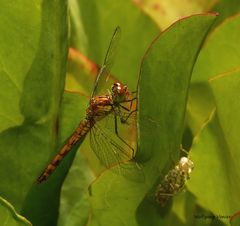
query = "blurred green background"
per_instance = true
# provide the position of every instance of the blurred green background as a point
(187, 71)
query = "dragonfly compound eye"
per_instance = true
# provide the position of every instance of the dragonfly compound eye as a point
(119, 92)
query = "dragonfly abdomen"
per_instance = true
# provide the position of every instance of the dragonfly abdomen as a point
(81, 131)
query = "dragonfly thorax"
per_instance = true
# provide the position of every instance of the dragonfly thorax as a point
(119, 92)
(99, 107)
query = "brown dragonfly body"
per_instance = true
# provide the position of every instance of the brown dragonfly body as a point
(99, 107)
(116, 104)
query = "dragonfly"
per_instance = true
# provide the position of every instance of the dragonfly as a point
(117, 104)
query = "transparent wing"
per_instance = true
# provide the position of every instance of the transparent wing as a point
(113, 153)
(108, 149)
(104, 72)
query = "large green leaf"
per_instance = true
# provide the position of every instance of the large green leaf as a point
(164, 80)
(32, 66)
(16, 55)
(219, 55)
(221, 52)
(212, 154)
(9, 217)
(216, 151)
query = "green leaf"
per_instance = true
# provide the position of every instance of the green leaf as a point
(220, 53)
(200, 106)
(218, 60)
(33, 55)
(216, 151)
(98, 21)
(226, 9)
(16, 56)
(163, 93)
(9, 217)
(164, 80)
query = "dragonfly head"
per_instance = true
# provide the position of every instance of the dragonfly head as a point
(120, 92)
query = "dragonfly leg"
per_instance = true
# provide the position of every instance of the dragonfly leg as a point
(135, 98)
(124, 119)
(131, 100)
(116, 132)
(125, 108)
(134, 92)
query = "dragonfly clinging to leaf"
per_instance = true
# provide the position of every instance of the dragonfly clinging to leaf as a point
(117, 104)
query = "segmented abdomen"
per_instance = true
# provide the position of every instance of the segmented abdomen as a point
(82, 130)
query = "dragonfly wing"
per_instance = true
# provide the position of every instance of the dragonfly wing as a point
(113, 153)
(109, 150)
(104, 73)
